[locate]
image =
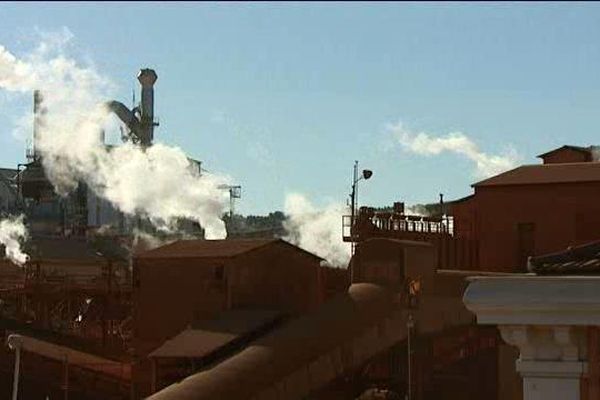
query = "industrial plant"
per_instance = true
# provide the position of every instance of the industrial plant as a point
(108, 307)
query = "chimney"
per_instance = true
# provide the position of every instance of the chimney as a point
(38, 115)
(147, 77)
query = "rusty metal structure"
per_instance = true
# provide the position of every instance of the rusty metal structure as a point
(74, 295)
(263, 319)
(453, 250)
(358, 338)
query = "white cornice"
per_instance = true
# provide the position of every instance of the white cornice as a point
(535, 300)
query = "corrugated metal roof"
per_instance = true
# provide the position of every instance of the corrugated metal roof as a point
(580, 260)
(546, 173)
(204, 337)
(212, 248)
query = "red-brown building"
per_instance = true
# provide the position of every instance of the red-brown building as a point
(569, 154)
(532, 210)
(195, 280)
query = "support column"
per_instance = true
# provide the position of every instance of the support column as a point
(552, 359)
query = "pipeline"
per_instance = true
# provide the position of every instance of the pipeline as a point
(305, 355)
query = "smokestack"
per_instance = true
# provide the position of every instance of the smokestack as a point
(38, 114)
(147, 77)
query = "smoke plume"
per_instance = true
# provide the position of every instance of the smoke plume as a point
(317, 230)
(159, 183)
(455, 142)
(12, 233)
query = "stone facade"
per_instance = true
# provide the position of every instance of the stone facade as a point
(547, 319)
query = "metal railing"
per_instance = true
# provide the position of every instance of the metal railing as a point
(396, 223)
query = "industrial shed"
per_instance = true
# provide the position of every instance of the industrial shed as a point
(188, 281)
(191, 280)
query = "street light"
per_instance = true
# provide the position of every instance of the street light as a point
(366, 174)
(15, 342)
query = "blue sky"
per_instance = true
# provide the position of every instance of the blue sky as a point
(285, 96)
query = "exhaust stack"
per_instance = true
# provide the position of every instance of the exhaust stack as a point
(38, 115)
(140, 120)
(147, 77)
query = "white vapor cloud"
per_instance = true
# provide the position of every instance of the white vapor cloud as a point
(317, 230)
(159, 183)
(425, 144)
(12, 233)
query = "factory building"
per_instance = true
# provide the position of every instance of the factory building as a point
(73, 296)
(96, 315)
(202, 278)
(532, 209)
(357, 339)
(190, 282)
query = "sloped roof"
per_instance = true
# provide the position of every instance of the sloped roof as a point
(580, 149)
(462, 199)
(204, 337)
(546, 173)
(580, 260)
(75, 357)
(226, 248)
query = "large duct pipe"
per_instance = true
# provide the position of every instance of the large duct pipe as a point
(147, 77)
(305, 355)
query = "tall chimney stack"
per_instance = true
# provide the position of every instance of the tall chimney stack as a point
(38, 114)
(147, 77)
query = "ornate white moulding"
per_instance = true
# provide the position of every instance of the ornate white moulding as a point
(546, 318)
(537, 300)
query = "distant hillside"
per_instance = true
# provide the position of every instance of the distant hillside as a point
(255, 226)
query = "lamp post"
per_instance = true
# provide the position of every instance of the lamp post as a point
(15, 342)
(366, 174)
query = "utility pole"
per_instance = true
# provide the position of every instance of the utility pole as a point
(409, 325)
(353, 200)
(66, 377)
(366, 174)
(15, 342)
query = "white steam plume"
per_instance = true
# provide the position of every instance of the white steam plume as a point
(456, 142)
(317, 230)
(159, 183)
(12, 232)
